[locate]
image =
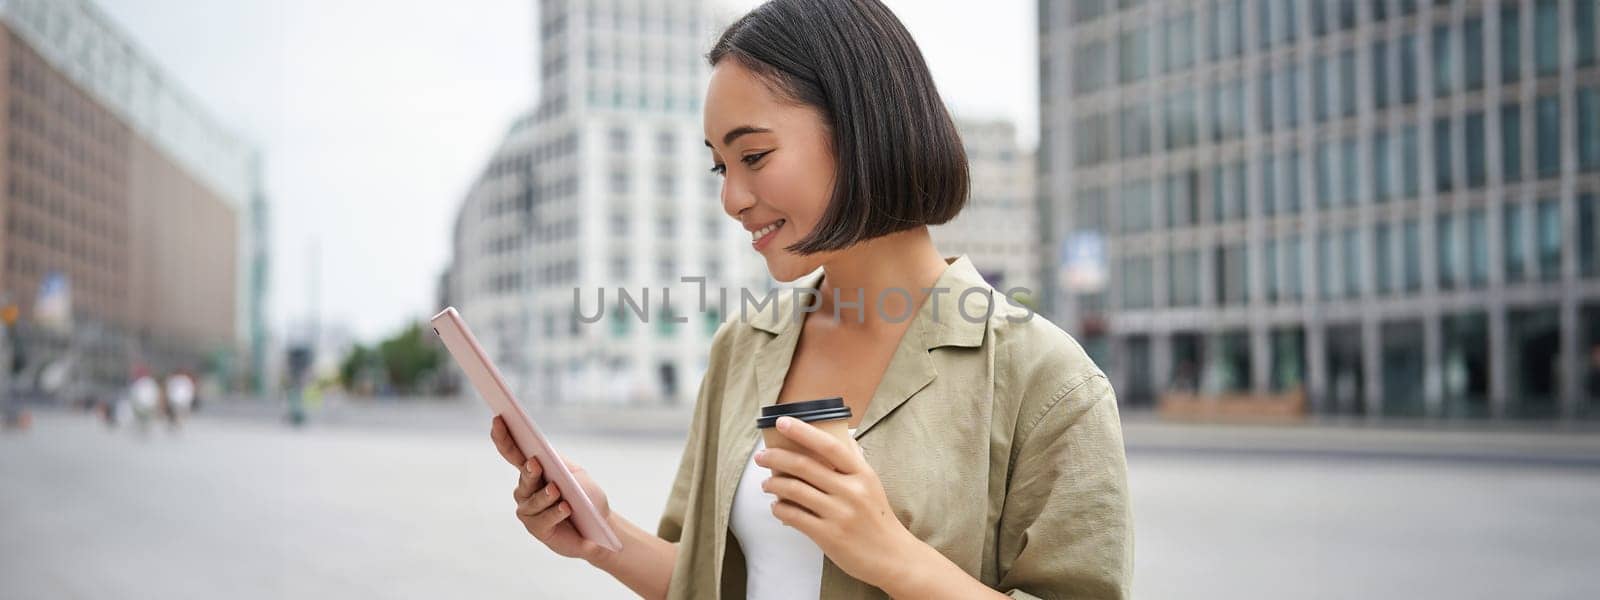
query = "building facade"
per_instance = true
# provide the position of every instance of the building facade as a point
(1389, 204)
(997, 227)
(612, 190)
(124, 192)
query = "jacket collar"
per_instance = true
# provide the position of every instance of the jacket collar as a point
(911, 368)
(938, 322)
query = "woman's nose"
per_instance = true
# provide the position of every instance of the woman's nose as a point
(735, 196)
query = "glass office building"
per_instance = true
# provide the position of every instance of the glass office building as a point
(1390, 205)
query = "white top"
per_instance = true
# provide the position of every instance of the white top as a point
(780, 562)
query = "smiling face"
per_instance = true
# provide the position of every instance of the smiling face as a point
(776, 163)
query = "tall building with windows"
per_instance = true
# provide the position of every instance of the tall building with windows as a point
(996, 227)
(122, 189)
(608, 188)
(1393, 205)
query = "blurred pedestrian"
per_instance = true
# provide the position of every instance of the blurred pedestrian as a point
(180, 397)
(144, 398)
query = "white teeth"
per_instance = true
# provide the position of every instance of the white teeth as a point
(759, 233)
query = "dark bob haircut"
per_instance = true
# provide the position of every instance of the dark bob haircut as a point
(899, 160)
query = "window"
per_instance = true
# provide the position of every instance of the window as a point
(1136, 276)
(1445, 235)
(1321, 88)
(1137, 205)
(1293, 286)
(1347, 83)
(1511, 142)
(1183, 205)
(1384, 242)
(1136, 130)
(1081, 11)
(1289, 19)
(1380, 73)
(1583, 13)
(1382, 167)
(1232, 275)
(1264, 100)
(1546, 40)
(1133, 58)
(1352, 262)
(1290, 82)
(1549, 239)
(1269, 269)
(1327, 265)
(1548, 149)
(1477, 248)
(1352, 178)
(1477, 170)
(1411, 256)
(1472, 53)
(618, 139)
(1510, 43)
(1090, 210)
(1089, 67)
(1408, 68)
(1347, 14)
(1269, 185)
(1178, 42)
(1183, 278)
(1227, 106)
(1228, 192)
(1291, 183)
(1092, 142)
(1515, 243)
(619, 182)
(1325, 168)
(1265, 33)
(1227, 28)
(1443, 178)
(1588, 230)
(1588, 129)
(1179, 117)
(666, 141)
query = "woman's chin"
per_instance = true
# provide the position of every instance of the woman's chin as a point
(787, 269)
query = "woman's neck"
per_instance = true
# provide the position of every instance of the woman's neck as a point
(905, 264)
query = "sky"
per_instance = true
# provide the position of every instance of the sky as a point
(374, 117)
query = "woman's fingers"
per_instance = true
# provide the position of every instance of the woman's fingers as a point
(503, 442)
(533, 502)
(527, 483)
(543, 512)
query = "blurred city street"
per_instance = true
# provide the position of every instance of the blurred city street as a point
(247, 507)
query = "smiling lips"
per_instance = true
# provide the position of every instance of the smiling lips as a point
(761, 237)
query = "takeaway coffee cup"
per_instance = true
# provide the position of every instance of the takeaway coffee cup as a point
(827, 414)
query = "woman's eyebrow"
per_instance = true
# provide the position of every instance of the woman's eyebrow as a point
(738, 131)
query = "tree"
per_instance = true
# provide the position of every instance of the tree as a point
(409, 357)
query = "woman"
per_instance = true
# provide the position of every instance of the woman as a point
(986, 456)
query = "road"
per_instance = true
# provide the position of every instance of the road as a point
(251, 509)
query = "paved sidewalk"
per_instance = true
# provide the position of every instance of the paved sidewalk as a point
(248, 508)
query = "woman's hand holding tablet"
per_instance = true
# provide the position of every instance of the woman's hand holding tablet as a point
(570, 514)
(539, 501)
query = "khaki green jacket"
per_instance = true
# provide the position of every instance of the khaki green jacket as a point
(997, 442)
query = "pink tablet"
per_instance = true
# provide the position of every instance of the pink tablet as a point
(487, 380)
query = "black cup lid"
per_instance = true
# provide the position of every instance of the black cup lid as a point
(822, 409)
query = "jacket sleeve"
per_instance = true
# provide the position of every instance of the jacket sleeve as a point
(1066, 528)
(675, 516)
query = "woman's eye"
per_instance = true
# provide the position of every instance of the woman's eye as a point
(753, 158)
(719, 169)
